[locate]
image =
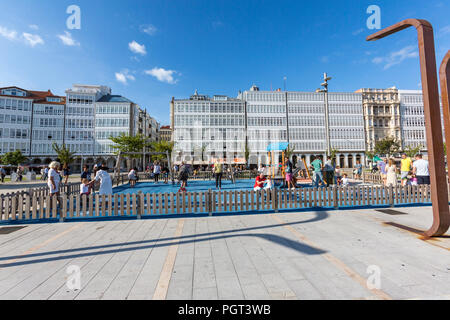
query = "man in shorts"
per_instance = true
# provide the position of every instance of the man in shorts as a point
(405, 168)
(421, 170)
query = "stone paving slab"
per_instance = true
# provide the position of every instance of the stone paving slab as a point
(305, 255)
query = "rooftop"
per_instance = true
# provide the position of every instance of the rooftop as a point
(113, 98)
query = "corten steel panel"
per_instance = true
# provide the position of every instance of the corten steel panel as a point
(444, 75)
(439, 190)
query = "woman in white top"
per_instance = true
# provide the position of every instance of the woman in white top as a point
(391, 171)
(156, 171)
(54, 178)
(132, 177)
(105, 182)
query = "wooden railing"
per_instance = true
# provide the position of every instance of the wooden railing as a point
(26, 207)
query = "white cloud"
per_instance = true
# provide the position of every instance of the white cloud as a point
(325, 59)
(124, 76)
(397, 57)
(33, 27)
(32, 39)
(137, 48)
(8, 34)
(444, 30)
(162, 75)
(67, 39)
(356, 32)
(148, 29)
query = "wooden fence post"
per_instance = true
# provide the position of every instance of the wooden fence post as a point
(209, 202)
(391, 196)
(335, 197)
(275, 200)
(139, 205)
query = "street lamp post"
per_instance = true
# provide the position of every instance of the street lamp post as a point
(327, 116)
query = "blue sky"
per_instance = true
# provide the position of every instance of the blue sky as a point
(152, 50)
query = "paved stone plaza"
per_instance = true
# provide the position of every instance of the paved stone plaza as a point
(304, 255)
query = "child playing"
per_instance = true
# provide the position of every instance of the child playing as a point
(345, 182)
(413, 180)
(338, 176)
(85, 187)
(268, 185)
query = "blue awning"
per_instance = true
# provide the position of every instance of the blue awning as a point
(278, 146)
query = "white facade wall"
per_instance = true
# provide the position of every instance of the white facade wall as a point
(212, 127)
(80, 117)
(48, 128)
(267, 123)
(15, 124)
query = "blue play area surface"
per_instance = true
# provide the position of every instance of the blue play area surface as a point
(193, 186)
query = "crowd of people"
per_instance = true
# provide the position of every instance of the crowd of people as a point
(411, 172)
(57, 176)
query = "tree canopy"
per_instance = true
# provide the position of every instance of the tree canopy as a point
(411, 151)
(387, 146)
(64, 154)
(14, 158)
(162, 146)
(125, 143)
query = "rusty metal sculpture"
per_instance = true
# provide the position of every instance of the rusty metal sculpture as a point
(439, 189)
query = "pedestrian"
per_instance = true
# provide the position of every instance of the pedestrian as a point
(183, 177)
(218, 174)
(165, 172)
(3, 174)
(391, 176)
(358, 170)
(259, 182)
(329, 172)
(105, 181)
(54, 178)
(45, 173)
(382, 167)
(66, 173)
(132, 177)
(338, 176)
(289, 174)
(405, 168)
(421, 170)
(345, 180)
(19, 173)
(156, 171)
(317, 167)
(86, 174)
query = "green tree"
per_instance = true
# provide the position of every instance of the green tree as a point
(288, 152)
(387, 146)
(13, 158)
(126, 144)
(246, 153)
(162, 146)
(64, 154)
(411, 151)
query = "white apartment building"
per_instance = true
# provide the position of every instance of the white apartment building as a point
(48, 125)
(114, 115)
(17, 119)
(80, 118)
(205, 129)
(412, 118)
(299, 118)
(32, 121)
(218, 127)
